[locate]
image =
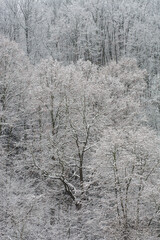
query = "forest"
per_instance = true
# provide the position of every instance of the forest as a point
(79, 119)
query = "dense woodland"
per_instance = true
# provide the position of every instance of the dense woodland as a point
(79, 119)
